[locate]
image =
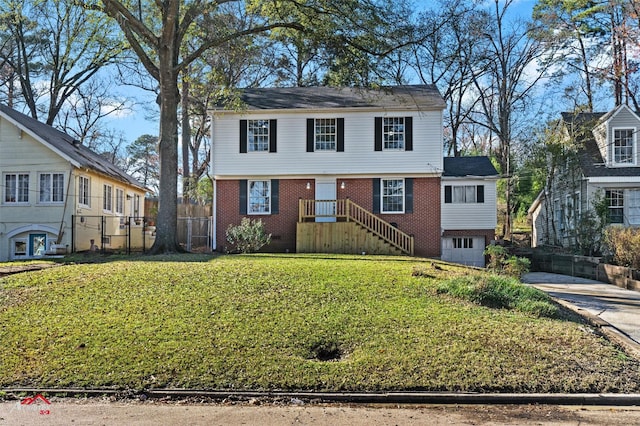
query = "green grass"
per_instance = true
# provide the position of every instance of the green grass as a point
(269, 322)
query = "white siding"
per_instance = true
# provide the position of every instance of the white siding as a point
(623, 119)
(469, 215)
(358, 158)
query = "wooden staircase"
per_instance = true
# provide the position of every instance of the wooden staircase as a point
(342, 229)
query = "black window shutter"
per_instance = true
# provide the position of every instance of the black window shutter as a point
(376, 195)
(273, 135)
(408, 195)
(275, 196)
(243, 136)
(378, 134)
(447, 194)
(243, 196)
(480, 194)
(408, 133)
(311, 134)
(340, 135)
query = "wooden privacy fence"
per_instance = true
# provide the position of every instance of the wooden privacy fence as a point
(349, 211)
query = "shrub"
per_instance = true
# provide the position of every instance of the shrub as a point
(502, 263)
(248, 237)
(624, 244)
(500, 292)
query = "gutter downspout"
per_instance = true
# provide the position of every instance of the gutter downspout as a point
(64, 209)
(214, 243)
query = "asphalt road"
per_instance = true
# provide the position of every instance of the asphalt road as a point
(100, 412)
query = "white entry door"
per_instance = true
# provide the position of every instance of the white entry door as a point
(325, 190)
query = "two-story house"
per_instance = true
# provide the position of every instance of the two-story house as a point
(56, 194)
(602, 165)
(333, 169)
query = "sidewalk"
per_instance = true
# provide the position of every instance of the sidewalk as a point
(608, 306)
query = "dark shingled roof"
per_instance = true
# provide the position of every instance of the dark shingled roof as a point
(591, 161)
(79, 154)
(469, 166)
(412, 97)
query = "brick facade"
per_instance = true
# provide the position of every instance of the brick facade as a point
(423, 223)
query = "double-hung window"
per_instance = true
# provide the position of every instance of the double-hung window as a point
(51, 188)
(84, 197)
(119, 201)
(392, 195)
(258, 135)
(325, 134)
(615, 201)
(623, 146)
(107, 198)
(16, 188)
(259, 197)
(393, 133)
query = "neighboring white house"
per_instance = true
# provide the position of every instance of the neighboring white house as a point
(48, 179)
(469, 214)
(290, 156)
(606, 166)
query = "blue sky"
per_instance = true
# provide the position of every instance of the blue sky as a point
(137, 123)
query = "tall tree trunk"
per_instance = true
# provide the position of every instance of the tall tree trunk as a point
(186, 141)
(166, 236)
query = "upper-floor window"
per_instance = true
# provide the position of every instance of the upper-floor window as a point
(392, 195)
(107, 198)
(16, 188)
(119, 201)
(623, 146)
(259, 197)
(393, 133)
(84, 185)
(51, 188)
(325, 134)
(461, 194)
(258, 134)
(615, 201)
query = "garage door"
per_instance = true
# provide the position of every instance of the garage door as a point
(465, 250)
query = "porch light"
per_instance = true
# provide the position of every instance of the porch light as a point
(343, 185)
(308, 185)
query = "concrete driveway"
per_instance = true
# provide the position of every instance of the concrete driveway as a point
(614, 306)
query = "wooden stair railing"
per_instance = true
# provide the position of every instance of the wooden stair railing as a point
(352, 212)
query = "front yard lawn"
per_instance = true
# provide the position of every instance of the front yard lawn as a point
(287, 322)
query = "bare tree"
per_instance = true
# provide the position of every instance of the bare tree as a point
(56, 43)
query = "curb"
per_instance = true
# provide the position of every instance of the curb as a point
(354, 398)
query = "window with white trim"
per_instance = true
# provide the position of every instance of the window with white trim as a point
(392, 196)
(51, 188)
(258, 135)
(84, 196)
(259, 198)
(325, 134)
(107, 198)
(623, 146)
(615, 201)
(119, 201)
(16, 188)
(633, 206)
(393, 133)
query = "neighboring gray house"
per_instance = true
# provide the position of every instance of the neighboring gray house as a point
(606, 166)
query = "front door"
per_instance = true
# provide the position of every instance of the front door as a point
(325, 210)
(37, 244)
